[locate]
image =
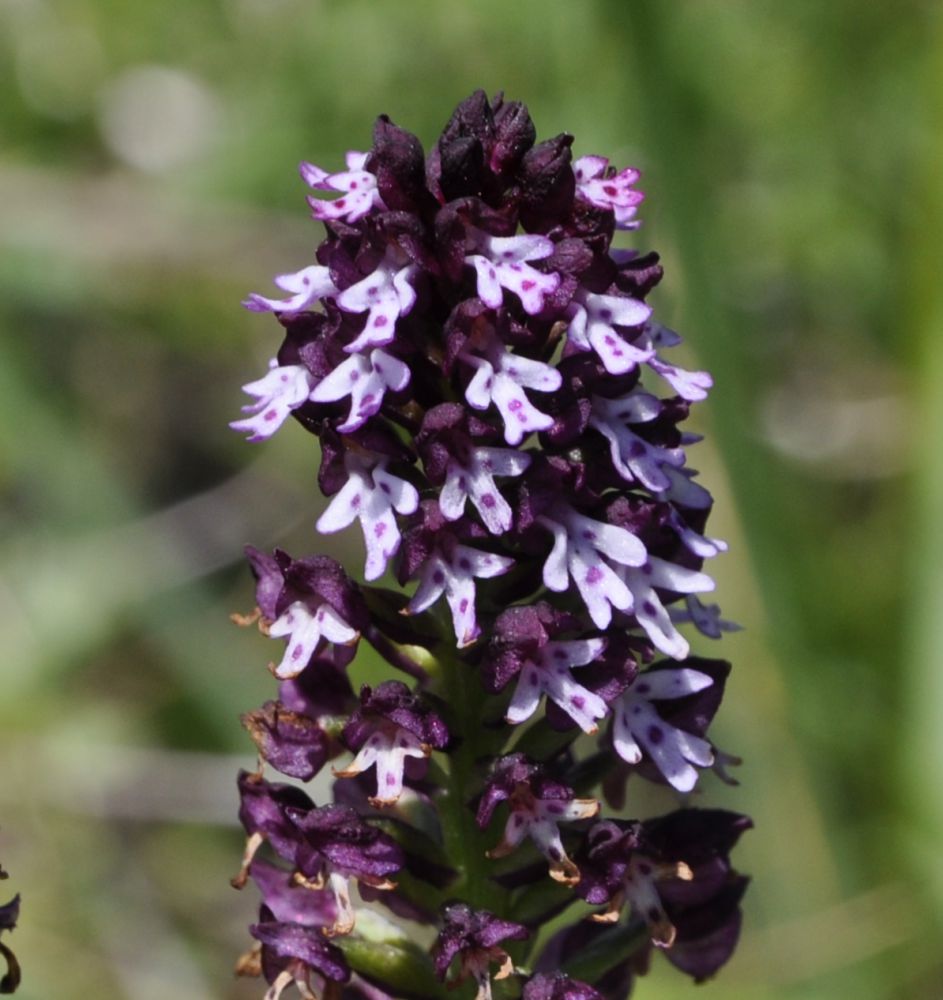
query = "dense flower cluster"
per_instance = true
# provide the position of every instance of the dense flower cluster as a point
(488, 389)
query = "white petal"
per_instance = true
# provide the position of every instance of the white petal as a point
(527, 696)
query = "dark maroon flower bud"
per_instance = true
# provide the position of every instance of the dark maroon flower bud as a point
(263, 812)
(473, 937)
(514, 134)
(557, 986)
(398, 161)
(291, 743)
(292, 952)
(335, 845)
(547, 184)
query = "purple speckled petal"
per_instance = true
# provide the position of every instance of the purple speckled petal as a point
(283, 389)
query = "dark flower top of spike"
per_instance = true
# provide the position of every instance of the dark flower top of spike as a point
(489, 390)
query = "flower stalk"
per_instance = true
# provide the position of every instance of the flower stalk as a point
(501, 433)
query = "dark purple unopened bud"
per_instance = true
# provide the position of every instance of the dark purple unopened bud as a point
(391, 725)
(292, 952)
(322, 688)
(473, 936)
(547, 184)
(514, 134)
(557, 986)
(263, 811)
(291, 743)
(399, 163)
(337, 844)
(708, 931)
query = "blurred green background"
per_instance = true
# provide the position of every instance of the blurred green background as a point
(793, 163)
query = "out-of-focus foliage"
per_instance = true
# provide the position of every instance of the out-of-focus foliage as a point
(792, 160)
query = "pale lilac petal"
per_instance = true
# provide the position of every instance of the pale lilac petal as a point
(527, 696)
(618, 544)
(673, 683)
(371, 494)
(499, 263)
(532, 374)
(684, 491)
(333, 627)
(503, 461)
(692, 386)
(592, 327)
(520, 416)
(616, 192)
(357, 186)
(582, 705)
(500, 380)
(365, 378)
(587, 167)
(670, 576)
(481, 564)
(453, 494)
(555, 574)
(431, 585)
(384, 295)
(598, 585)
(283, 389)
(306, 287)
(343, 509)
(574, 653)
(489, 288)
(478, 390)
(304, 631)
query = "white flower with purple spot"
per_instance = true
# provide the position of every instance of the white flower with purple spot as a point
(475, 481)
(384, 296)
(500, 378)
(500, 264)
(593, 321)
(581, 548)
(549, 674)
(283, 389)
(637, 726)
(373, 496)
(454, 576)
(539, 819)
(306, 287)
(633, 457)
(358, 187)
(692, 386)
(305, 630)
(646, 605)
(387, 750)
(614, 192)
(697, 544)
(365, 378)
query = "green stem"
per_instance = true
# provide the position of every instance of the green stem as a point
(465, 843)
